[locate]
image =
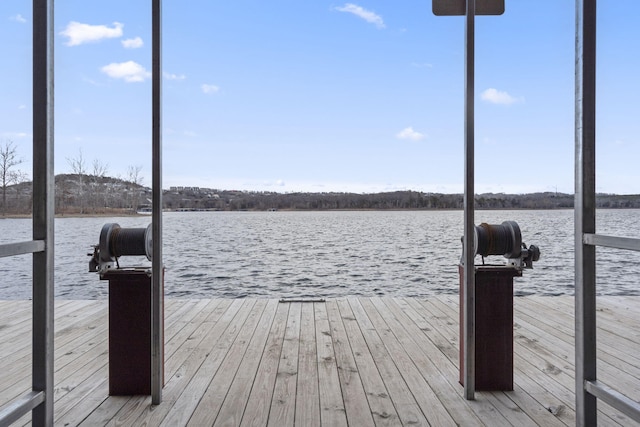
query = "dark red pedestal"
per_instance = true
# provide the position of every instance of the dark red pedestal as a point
(494, 327)
(130, 331)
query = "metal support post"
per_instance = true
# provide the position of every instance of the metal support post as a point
(469, 230)
(157, 322)
(43, 209)
(585, 221)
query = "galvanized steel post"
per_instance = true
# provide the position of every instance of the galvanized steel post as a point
(469, 190)
(585, 221)
(43, 209)
(157, 322)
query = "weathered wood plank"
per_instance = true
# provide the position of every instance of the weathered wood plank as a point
(111, 409)
(617, 339)
(9, 308)
(236, 400)
(179, 344)
(400, 353)
(535, 409)
(257, 409)
(207, 410)
(332, 411)
(376, 392)
(208, 361)
(552, 360)
(17, 336)
(353, 393)
(549, 383)
(612, 360)
(20, 362)
(403, 400)
(107, 411)
(308, 396)
(183, 364)
(442, 331)
(190, 318)
(80, 402)
(431, 388)
(283, 403)
(18, 380)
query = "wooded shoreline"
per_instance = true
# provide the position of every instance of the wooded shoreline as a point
(84, 195)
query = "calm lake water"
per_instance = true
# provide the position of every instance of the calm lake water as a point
(323, 254)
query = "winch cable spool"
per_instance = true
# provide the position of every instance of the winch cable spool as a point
(116, 242)
(128, 241)
(504, 239)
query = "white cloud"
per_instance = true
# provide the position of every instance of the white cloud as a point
(422, 65)
(90, 81)
(170, 76)
(22, 107)
(209, 88)
(190, 133)
(496, 96)
(79, 33)
(134, 43)
(410, 134)
(15, 135)
(18, 18)
(276, 183)
(129, 71)
(360, 12)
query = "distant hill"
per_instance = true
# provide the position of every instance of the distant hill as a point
(89, 195)
(82, 194)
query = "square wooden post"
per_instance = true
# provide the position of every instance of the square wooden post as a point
(494, 327)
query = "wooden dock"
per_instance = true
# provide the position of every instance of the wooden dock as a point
(344, 362)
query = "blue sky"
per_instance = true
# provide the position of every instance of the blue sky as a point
(319, 95)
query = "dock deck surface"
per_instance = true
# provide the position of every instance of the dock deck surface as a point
(343, 362)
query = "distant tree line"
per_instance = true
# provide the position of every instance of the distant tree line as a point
(95, 193)
(89, 190)
(209, 199)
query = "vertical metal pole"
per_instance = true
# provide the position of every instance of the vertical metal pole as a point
(157, 289)
(469, 248)
(585, 221)
(43, 209)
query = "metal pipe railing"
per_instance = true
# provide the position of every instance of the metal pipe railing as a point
(626, 243)
(21, 248)
(19, 407)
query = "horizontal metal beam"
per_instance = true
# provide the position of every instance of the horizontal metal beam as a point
(611, 241)
(615, 399)
(459, 7)
(22, 248)
(21, 406)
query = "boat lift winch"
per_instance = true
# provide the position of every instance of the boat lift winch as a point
(504, 239)
(130, 310)
(115, 242)
(493, 303)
